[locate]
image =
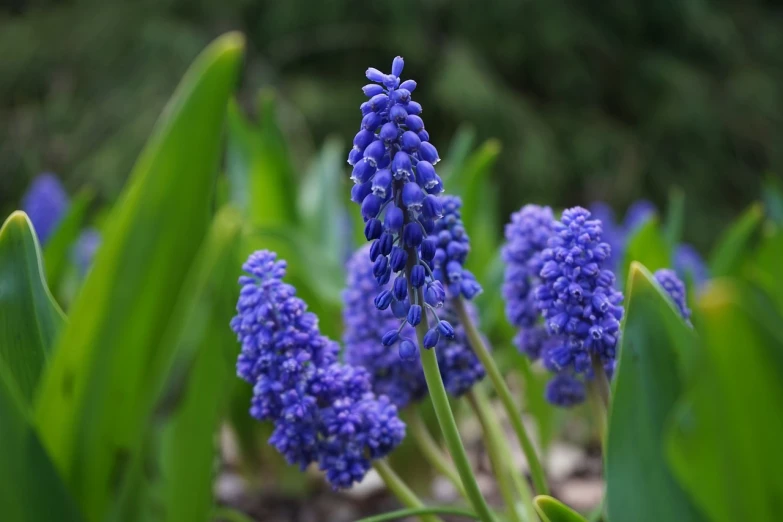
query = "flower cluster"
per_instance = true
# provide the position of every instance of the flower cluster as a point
(577, 296)
(676, 289)
(396, 184)
(526, 237)
(401, 380)
(85, 248)
(452, 246)
(323, 411)
(45, 203)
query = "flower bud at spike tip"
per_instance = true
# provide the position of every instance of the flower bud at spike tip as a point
(408, 351)
(390, 337)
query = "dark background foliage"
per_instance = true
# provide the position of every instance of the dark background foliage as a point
(611, 100)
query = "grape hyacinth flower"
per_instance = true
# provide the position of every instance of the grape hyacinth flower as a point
(675, 288)
(614, 233)
(689, 263)
(45, 202)
(323, 411)
(526, 237)
(565, 390)
(401, 380)
(577, 296)
(396, 185)
(452, 246)
(85, 248)
(637, 215)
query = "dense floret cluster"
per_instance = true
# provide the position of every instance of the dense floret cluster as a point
(323, 411)
(452, 246)
(676, 289)
(46, 203)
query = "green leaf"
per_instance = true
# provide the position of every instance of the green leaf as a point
(453, 170)
(321, 204)
(675, 216)
(773, 199)
(30, 319)
(724, 445)
(732, 249)
(189, 413)
(647, 246)
(95, 401)
(30, 488)
(654, 346)
(766, 270)
(57, 252)
(259, 168)
(552, 510)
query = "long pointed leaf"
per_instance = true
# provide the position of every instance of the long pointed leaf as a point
(30, 319)
(96, 399)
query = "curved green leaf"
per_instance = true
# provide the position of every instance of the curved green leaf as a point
(724, 446)
(552, 510)
(30, 489)
(30, 319)
(96, 400)
(729, 254)
(654, 346)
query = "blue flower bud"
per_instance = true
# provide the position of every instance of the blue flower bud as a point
(373, 229)
(397, 64)
(381, 184)
(408, 350)
(401, 166)
(363, 138)
(355, 156)
(412, 235)
(425, 174)
(374, 75)
(413, 108)
(362, 171)
(400, 289)
(398, 113)
(374, 152)
(414, 123)
(431, 338)
(383, 279)
(380, 266)
(399, 258)
(414, 315)
(394, 218)
(470, 288)
(372, 89)
(389, 131)
(410, 85)
(399, 308)
(446, 330)
(365, 108)
(391, 81)
(386, 241)
(431, 208)
(428, 249)
(438, 188)
(418, 276)
(402, 96)
(371, 121)
(360, 191)
(410, 142)
(390, 337)
(435, 294)
(379, 102)
(423, 135)
(428, 224)
(383, 300)
(412, 196)
(375, 250)
(428, 152)
(371, 206)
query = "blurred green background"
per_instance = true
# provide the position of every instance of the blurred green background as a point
(590, 100)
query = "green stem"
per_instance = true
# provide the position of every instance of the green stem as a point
(432, 450)
(497, 458)
(400, 489)
(402, 513)
(601, 381)
(448, 425)
(480, 348)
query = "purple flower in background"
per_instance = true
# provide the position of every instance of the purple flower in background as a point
(565, 390)
(526, 237)
(84, 250)
(400, 379)
(46, 203)
(688, 263)
(323, 411)
(396, 185)
(577, 296)
(638, 214)
(452, 246)
(676, 289)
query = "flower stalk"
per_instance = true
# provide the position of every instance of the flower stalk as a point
(401, 490)
(481, 351)
(432, 451)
